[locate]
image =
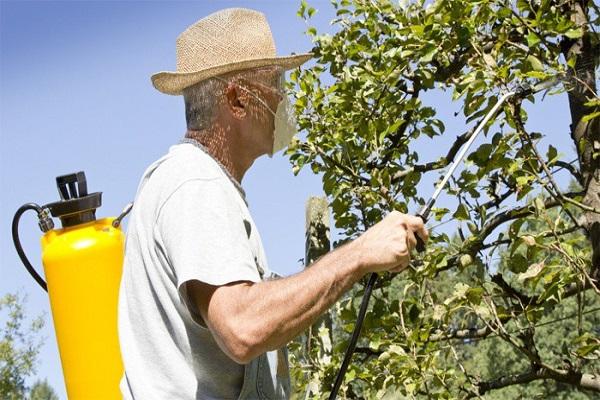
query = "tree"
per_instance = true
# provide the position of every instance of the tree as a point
(19, 347)
(41, 390)
(363, 106)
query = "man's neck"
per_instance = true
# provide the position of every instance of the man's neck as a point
(219, 146)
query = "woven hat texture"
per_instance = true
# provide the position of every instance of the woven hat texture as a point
(229, 40)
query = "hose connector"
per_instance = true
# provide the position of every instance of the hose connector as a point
(44, 220)
(523, 89)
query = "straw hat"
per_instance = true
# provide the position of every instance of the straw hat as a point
(226, 41)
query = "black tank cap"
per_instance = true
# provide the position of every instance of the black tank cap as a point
(76, 206)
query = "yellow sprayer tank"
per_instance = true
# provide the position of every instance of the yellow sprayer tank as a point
(82, 264)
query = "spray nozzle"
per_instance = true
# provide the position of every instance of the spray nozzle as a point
(525, 89)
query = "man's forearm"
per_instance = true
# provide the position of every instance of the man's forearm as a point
(269, 314)
(281, 309)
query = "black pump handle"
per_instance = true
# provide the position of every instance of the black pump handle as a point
(76, 183)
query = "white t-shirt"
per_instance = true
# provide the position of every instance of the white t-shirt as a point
(188, 222)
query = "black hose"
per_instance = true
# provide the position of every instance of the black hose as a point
(355, 334)
(424, 215)
(17, 242)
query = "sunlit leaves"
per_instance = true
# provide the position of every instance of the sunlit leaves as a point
(365, 114)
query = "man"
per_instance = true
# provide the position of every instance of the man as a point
(199, 316)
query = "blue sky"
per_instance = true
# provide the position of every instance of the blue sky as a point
(75, 94)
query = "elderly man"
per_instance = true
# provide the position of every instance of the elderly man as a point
(199, 316)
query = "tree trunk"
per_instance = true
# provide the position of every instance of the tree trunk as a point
(585, 135)
(317, 245)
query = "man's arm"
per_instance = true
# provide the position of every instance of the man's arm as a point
(248, 319)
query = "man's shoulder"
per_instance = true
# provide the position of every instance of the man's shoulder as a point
(182, 164)
(184, 161)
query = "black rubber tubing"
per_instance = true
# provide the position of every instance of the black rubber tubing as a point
(17, 242)
(424, 215)
(357, 328)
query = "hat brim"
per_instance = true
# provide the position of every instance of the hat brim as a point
(173, 83)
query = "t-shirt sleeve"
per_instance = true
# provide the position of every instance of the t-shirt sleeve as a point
(203, 235)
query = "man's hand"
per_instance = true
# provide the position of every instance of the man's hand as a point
(386, 246)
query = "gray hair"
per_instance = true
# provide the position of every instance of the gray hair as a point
(203, 98)
(201, 102)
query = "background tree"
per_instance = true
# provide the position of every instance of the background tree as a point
(41, 390)
(525, 251)
(554, 333)
(19, 348)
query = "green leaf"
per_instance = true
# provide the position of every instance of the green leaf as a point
(481, 156)
(584, 351)
(517, 263)
(302, 9)
(474, 295)
(461, 214)
(515, 227)
(539, 205)
(552, 154)
(490, 60)
(532, 39)
(574, 33)
(460, 290)
(395, 349)
(429, 55)
(591, 116)
(325, 338)
(533, 271)
(439, 213)
(535, 63)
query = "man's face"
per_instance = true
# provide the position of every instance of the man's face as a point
(264, 88)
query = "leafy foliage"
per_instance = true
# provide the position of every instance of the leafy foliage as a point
(365, 107)
(19, 347)
(41, 390)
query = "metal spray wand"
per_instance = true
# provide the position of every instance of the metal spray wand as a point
(521, 91)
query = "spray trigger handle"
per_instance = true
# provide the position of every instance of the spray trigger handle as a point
(424, 215)
(420, 243)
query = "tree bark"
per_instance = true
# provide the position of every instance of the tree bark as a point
(583, 381)
(585, 134)
(317, 245)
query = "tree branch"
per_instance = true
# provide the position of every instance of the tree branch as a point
(498, 279)
(576, 378)
(483, 332)
(548, 234)
(518, 212)
(571, 168)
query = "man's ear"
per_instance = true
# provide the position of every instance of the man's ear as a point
(237, 100)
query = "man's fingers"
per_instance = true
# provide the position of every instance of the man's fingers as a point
(389, 243)
(411, 240)
(417, 226)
